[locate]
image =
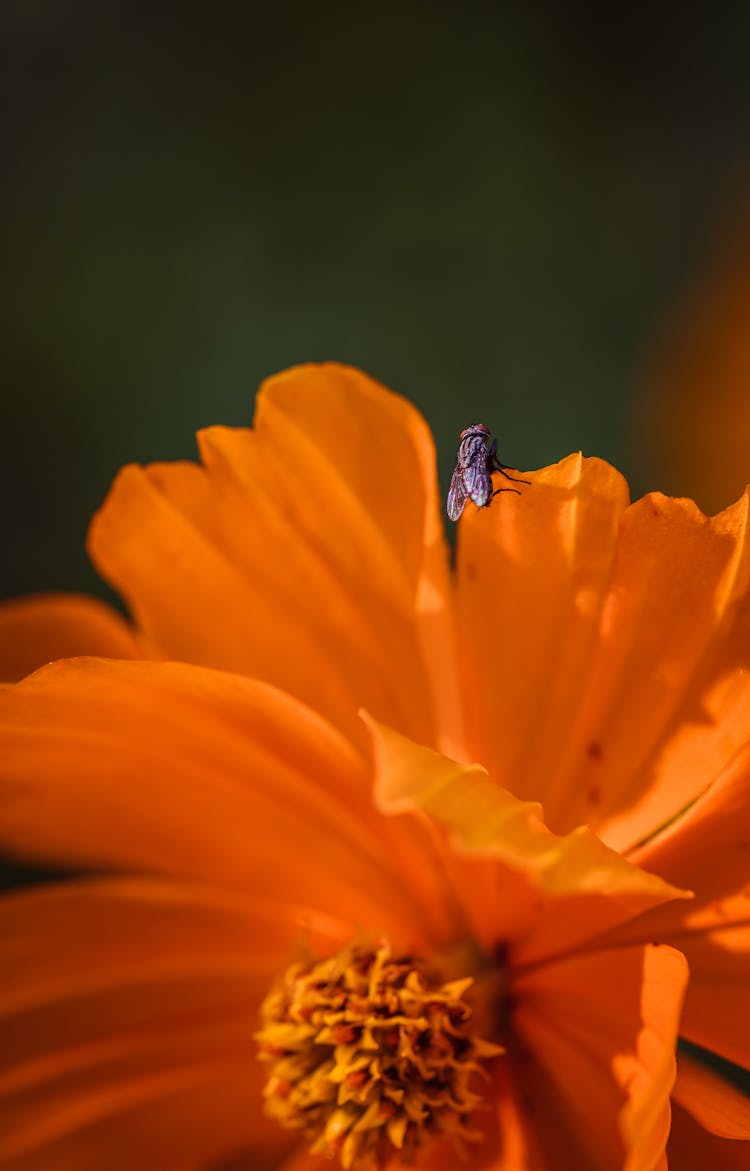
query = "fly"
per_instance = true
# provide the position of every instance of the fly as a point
(472, 475)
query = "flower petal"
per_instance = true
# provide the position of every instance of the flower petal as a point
(532, 576)
(696, 657)
(38, 629)
(708, 848)
(692, 1148)
(301, 1159)
(695, 409)
(575, 886)
(300, 552)
(598, 1033)
(717, 1105)
(618, 685)
(169, 768)
(127, 1009)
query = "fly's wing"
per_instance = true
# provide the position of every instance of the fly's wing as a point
(458, 493)
(477, 476)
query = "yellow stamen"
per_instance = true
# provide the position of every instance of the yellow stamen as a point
(371, 1056)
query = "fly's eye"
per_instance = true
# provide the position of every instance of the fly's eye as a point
(475, 429)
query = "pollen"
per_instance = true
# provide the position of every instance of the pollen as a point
(371, 1056)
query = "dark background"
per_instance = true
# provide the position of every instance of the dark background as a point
(490, 207)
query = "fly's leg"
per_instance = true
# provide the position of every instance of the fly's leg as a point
(503, 470)
(515, 490)
(494, 465)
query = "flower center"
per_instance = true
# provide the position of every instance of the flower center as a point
(371, 1055)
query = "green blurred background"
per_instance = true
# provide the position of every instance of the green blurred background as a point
(490, 207)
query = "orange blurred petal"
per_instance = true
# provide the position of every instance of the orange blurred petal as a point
(301, 551)
(716, 1011)
(708, 848)
(606, 647)
(170, 768)
(508, 1142)
(178, 1120)
(302, 1160)
(717, 1105)
(520, 1147)
(693, 1148)
(696, 408)
(44, 627)
(597, 1064)
(127, 1009)
(580, 887)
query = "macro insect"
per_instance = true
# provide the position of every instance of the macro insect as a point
(472, 475)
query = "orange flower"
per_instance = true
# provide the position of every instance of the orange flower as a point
(222, 820)
(592, 656)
